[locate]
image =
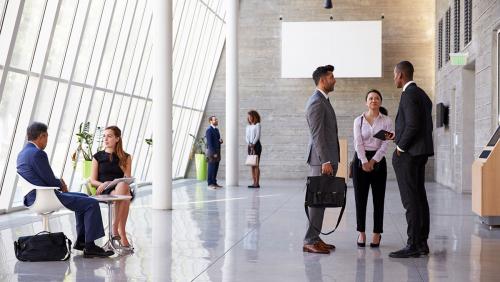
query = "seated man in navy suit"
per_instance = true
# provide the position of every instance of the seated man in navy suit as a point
(33, 165)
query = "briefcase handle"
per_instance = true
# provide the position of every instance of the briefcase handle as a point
(338, 220)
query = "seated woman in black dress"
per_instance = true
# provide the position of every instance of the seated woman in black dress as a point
(107, 165)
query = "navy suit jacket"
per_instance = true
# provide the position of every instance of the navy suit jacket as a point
(33, 165)
(213, 143)
(213, 139)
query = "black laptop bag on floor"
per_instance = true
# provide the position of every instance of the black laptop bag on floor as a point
(44, 246)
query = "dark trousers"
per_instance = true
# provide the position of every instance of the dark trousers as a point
(87, 213)
(362, 181)
(213, 167)
(410, 173)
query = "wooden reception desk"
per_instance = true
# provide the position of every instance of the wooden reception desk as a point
(486, 182)
(342, 171)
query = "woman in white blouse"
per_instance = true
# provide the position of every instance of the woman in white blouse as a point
(369, 166)
(254, 146)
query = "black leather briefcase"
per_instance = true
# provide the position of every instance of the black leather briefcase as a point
(325, 192)
(44, 246)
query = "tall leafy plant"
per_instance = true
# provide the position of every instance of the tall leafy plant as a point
(85, 141)
(199, 146)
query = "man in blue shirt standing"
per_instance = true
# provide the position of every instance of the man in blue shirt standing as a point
(213, 151)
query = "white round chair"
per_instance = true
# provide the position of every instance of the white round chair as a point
(46, 201)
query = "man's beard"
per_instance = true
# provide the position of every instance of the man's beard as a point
(330, 89)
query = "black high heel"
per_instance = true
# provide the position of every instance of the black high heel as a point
(373, 245)
(360, 244)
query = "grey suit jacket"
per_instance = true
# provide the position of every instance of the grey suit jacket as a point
(323, 141)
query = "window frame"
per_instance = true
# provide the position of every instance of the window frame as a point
(76, 64)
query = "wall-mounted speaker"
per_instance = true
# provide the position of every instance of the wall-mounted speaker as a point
(442, 115)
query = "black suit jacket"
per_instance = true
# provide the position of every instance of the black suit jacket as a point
(414, 122)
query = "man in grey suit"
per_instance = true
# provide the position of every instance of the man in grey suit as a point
(323, 152)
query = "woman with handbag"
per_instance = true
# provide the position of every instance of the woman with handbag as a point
(369, 165)
(254, 146)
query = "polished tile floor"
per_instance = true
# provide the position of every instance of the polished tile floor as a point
(239, 234)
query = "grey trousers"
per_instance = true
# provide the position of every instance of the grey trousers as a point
(315, 214)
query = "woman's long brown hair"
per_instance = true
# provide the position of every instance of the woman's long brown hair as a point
(122, 156)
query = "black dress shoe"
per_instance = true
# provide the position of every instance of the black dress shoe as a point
(410, 251)
(79, 246)
(96, 252)
(423, 248)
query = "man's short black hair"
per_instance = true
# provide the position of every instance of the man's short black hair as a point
(406, 68)
(35, 129)
(210, 118)
(320, 72)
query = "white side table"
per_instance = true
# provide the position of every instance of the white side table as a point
(109, 200)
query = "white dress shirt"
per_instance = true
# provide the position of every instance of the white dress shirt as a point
(364, 140)
(253, 133)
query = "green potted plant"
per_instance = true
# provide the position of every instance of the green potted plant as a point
(85, 141)
(198, 151)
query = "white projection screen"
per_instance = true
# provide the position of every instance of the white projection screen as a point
(353, 47)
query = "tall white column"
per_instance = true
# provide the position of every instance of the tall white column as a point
(162, 105)
(232, 100)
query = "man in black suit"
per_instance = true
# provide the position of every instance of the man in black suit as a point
(414, 146)
(213, 152)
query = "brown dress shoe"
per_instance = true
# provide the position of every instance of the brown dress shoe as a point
(315, 248)
(325, 245)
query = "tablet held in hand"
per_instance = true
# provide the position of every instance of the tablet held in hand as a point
(128, 180)
(382, 135)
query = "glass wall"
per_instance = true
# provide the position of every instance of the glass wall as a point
(67, 62)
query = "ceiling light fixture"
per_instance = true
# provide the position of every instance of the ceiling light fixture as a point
(328, 4)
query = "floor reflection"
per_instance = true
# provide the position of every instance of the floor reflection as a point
(28, 271)
(377, 264)
(240, 234)
(161, 244)
(313, 268)
(251, 240)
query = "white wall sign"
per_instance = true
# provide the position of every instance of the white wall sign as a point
(354, 48)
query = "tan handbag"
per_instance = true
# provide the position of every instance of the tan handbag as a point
(251, 160)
